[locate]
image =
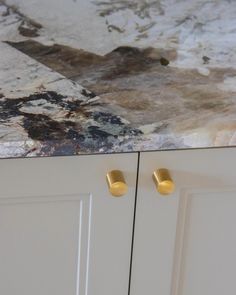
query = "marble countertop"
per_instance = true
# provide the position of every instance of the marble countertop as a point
(91, 76)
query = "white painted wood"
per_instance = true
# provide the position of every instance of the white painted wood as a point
(61, 232)
(185, 244)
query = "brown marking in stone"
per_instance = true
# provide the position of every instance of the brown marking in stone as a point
(115, 28)
(164, 61)
(141, 9)
(141, 36)
(63, 59)
(133, 84)
(76, 63)
(206, 59)
(28, 31)
(130, 100)
(28, 27)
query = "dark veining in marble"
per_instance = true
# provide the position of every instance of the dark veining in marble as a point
(179, 95)
(68, 134)
(27, 27)
(88, 94)
(138, 85)
(74, 63)
(141, 9)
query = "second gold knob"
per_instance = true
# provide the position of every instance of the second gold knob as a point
(163, 181)
(116, 183)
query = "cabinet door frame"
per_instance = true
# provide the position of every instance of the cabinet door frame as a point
(108, 220)
(160, 221)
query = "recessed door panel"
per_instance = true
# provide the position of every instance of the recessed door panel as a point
(44, 245)
(185, 242)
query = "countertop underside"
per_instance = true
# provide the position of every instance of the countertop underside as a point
(90, 76)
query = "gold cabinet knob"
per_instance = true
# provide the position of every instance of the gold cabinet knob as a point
(163, 182)
(116, 183)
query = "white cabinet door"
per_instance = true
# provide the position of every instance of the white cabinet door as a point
(61, 232)
(185, 244)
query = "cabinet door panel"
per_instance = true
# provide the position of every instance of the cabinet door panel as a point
(44, 242)
(185, 244)
(205, 255)
(61, 232)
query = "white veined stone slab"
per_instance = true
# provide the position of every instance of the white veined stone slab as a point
(21, 76)
(193, 28)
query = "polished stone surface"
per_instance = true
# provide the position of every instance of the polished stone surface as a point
(157, 75)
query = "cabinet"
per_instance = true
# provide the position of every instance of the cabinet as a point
(61, 232)
(185, 244)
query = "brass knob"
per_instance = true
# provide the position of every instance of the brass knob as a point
(163, 182)
(116, 183)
